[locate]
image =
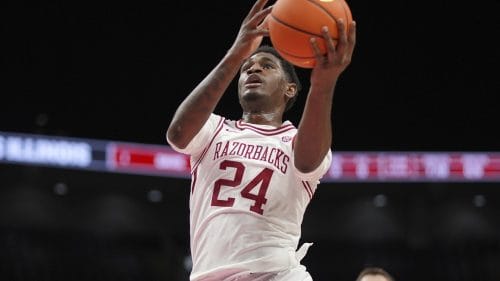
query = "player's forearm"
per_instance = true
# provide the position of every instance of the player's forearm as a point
(196, 108)
(314, 135)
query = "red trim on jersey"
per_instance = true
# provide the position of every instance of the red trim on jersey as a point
(267, 132)
(308, 189)
(193, 182)
(218, 129)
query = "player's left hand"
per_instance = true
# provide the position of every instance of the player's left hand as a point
(330, 65)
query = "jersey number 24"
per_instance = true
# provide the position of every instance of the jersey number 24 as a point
(261, 181)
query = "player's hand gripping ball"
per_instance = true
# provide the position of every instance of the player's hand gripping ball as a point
(293, 22)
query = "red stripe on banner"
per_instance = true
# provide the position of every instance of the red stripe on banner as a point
(130, 157)
(456, 166)
(492, 169)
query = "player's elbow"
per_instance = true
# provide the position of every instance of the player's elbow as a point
(175, 136)
(308, 160)
(307, 166)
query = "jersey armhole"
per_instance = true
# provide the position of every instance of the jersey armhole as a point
(316, 174)
(201, 140)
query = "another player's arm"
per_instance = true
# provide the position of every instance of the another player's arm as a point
(196, 108)
(314, 136)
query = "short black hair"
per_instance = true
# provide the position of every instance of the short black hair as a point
(289, 70)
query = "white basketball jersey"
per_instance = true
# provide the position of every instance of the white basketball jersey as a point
(247, 198)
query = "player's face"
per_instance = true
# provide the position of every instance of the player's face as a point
(262, 81)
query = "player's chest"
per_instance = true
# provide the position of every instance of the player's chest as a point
(273, 152)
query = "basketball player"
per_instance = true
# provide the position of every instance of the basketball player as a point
(253, 178)
(374, 274)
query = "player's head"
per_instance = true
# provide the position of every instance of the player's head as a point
(273, 76)
(374, 274)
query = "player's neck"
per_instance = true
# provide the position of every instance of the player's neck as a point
(274, 119)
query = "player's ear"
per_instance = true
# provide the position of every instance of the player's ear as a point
(291, 90)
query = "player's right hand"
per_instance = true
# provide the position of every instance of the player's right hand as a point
(252, 30)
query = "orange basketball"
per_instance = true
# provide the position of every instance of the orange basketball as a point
(293, 22)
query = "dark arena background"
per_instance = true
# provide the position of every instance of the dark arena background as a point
(90, 190)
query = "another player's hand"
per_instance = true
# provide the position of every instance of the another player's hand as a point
(252, 30)
(330, 65)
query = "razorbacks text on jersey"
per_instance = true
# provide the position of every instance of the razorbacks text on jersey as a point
(247, 198)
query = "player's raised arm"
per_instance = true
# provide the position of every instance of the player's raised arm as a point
(314, 136)
(196, 108)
